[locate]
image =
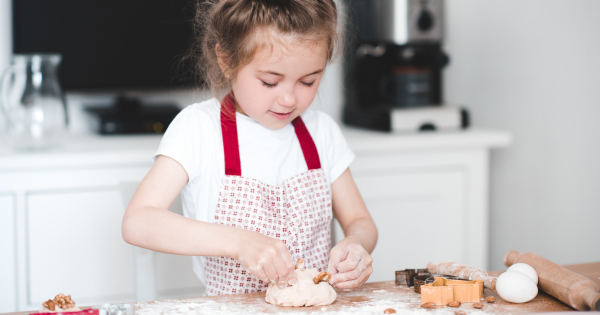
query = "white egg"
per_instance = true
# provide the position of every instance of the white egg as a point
(526, 269)
(516, 287)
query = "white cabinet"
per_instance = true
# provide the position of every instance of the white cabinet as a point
(60, 225)
(428, 196)
(8, 248)
(61, 211)
(416, 226)
(70, 229)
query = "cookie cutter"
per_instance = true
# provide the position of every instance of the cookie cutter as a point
(421, 280)
(406, 276)
(449, 277)
(443, 291)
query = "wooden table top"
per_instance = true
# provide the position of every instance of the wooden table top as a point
(371, 298)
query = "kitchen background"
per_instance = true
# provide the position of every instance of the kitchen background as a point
(528, 67)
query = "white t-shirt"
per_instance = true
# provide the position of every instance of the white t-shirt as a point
(194, 140)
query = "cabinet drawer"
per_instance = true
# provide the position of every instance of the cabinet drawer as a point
(74, 245)
(8, 250)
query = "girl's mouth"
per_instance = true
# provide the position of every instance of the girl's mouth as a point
(281, 116)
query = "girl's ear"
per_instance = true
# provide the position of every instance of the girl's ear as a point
(223, 62)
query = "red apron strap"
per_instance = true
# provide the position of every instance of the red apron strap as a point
(309, 149)
(231, 147)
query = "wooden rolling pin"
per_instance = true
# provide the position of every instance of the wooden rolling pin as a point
(571, 288)
(463, 271)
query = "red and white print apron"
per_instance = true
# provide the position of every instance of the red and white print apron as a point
(298, 213)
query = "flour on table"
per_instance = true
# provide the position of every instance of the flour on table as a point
(353, 303)
(205, 307)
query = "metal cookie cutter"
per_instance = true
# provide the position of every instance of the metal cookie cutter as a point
(418, 281)
(406, 276)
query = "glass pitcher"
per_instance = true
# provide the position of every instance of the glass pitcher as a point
(32, 102)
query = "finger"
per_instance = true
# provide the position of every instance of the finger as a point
(337, 255)
(347, 285)
(282, 272)
(350, 263)
(270, 272)
(347, 276)
(339, 277)
(354, 284)
(364, 263)
(258, 272)
(289, 264)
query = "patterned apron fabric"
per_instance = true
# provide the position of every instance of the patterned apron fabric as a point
(298, 213)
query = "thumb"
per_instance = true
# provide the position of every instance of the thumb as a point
(334, 259)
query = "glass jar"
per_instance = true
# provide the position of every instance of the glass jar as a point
(32, 102)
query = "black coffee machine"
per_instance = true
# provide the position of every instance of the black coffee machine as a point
(394, 61)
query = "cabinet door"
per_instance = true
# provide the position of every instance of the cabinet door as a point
(175, 277)
(8, 271)
(74, 246)
(419, 215)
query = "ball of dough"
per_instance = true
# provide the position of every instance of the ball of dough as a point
(304, 293)
(526, 269)
(516, 287)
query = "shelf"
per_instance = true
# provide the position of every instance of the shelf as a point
(80, 151)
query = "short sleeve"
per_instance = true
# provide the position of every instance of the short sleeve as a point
(182, 142)
(337, 151)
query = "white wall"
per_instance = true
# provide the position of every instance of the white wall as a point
(5, 33)
(533, 67)
(5, 40)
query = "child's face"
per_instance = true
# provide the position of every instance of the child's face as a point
(276, 87)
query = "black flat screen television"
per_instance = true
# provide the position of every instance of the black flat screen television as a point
(109, 45)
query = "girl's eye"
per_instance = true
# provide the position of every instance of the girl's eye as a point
(309, 84)
(269, 85)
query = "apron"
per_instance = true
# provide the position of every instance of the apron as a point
(297, 213)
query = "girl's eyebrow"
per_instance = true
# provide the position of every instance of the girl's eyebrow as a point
(279, 74)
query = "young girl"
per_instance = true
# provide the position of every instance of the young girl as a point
(258, 172)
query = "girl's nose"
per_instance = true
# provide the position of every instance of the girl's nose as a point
(287, 99)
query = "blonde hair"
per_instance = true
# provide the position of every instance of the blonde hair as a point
(241, 27)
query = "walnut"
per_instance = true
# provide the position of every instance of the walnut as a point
(50, 305)
(428, 305)
(323, 276)
(64, 302)
(299, 264)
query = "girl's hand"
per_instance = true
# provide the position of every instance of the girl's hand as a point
(266, 258)
(350, 262)
(349, 265)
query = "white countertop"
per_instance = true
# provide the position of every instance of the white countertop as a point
(79, 151)
(366, 140)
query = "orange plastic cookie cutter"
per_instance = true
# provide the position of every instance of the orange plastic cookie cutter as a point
(443, 291)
